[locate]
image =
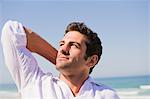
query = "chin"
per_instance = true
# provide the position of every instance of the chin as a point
(60, 66)
(63, 68)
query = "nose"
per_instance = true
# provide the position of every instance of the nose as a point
(65, 49)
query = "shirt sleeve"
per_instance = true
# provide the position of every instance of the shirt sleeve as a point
(20, 62)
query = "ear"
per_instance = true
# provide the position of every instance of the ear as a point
(92, 61)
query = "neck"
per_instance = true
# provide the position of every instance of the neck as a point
(74, 81)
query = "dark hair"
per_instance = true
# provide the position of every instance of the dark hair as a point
(93, 43)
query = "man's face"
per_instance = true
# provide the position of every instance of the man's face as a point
(70, 57)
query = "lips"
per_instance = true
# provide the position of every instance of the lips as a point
(63, 58)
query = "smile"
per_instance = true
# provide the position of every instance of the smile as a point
(63, 58)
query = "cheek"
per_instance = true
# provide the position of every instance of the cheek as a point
(78, 55)
(58, 54)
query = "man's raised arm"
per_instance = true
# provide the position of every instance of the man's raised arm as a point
(40, 46)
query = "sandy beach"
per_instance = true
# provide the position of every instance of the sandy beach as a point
(14, 95)
(143, 92)
(134, 97)
(134, 93)
(9, 95)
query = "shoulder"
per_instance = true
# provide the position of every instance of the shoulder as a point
(101, 87)
(104, 91)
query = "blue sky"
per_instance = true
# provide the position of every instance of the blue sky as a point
(123, 26)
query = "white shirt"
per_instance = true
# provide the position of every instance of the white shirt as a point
(31, 81)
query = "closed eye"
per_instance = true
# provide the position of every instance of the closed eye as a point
(61, 43)
(75, 45)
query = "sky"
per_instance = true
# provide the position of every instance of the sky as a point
(122, 25)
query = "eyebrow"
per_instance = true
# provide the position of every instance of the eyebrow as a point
(76, 43)
(61, 41)
(71, 42)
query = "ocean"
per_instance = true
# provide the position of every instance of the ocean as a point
(129, 86)
(135, 87)
(125, 82)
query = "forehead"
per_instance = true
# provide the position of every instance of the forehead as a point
(74, 36)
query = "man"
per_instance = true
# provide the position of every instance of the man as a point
(79, 51)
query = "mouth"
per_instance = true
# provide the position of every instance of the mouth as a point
(63, 58)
